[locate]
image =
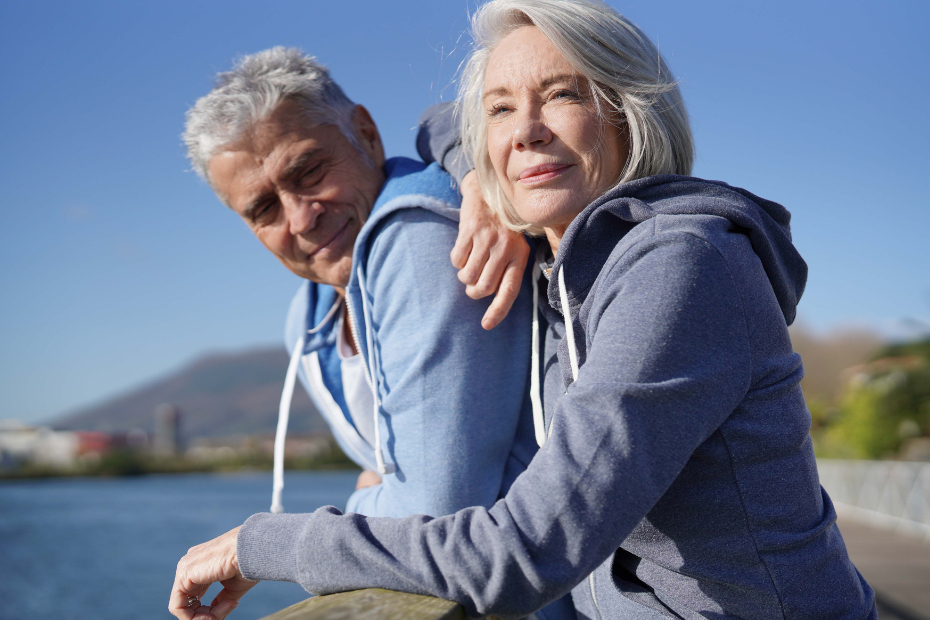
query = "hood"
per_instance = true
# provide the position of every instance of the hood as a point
(593, 234)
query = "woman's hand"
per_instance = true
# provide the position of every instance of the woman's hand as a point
(205, 564)
(489, 256)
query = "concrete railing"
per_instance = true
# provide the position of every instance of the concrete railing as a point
(889, 494)
(371, 604)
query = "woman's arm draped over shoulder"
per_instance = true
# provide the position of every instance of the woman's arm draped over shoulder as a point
(669, 362)
(489, 256)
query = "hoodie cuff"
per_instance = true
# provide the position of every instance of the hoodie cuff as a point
(266, 547)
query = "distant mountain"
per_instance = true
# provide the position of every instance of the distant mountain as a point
(219, 395)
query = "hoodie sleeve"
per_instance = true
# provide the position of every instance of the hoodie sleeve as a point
(667, 363)
(452, 393)
(438, 141)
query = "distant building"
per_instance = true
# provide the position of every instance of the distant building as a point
(167, 440)
(21, 443)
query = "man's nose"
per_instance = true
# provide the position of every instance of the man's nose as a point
(301, 213)
(530, 129)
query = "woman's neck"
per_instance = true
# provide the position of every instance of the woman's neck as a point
(554, 236)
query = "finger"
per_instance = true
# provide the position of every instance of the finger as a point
(490, 278)
(177, 604)
(224, 603)
(204, 612)
(506, 295)
(461, 249)
(471, 272)
(181, 592)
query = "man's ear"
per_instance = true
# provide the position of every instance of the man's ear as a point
(368, 136)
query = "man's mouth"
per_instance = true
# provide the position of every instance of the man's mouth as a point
(542, 173)
(336, 236)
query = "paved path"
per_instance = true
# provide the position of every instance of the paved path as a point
(895, 565)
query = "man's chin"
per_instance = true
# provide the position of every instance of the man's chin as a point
(336, 275)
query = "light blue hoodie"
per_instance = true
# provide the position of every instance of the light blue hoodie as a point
(453, 415)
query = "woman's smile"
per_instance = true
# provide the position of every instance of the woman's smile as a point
(536, 175)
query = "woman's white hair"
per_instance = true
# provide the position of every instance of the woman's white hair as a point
(249, 93)
(628, 77)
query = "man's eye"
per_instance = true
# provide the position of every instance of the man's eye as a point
(310, 176)
(264, 213)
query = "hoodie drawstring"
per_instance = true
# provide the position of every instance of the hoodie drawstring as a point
(383, 468)
(539, 419)
(284, 411)
(569, 329)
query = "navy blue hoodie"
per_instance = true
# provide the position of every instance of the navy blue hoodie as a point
(678, 478)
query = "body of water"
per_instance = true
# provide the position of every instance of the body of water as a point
(107, 548)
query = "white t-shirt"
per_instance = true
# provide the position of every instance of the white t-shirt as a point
(355, 386)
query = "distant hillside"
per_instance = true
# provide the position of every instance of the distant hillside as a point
(219, 395)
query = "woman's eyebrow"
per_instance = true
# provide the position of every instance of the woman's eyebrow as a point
(562, 78)
(496, 92)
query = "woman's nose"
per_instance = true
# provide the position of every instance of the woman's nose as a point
(301, 213)
(530, 129)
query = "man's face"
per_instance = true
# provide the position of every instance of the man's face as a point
(304, 191)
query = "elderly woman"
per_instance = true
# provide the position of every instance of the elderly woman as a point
(677, 477)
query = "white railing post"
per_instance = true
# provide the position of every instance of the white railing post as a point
(889, 494)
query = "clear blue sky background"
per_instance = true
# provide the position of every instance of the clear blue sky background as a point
(118, 264)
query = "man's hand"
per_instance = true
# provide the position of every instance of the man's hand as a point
(489, 256)
(367, 479)
(205, 564)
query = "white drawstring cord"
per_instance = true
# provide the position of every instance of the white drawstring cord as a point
(329, 314)
(284, 412)
(539, 420)
(569, 330)
(383, 468)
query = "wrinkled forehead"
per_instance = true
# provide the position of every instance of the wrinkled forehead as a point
(287, 124)
(264, 153)
(526, 58)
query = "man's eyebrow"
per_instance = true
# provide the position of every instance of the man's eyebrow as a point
(255, 204)
(301, 161)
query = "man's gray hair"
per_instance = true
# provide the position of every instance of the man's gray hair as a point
(630, 80)
(249, 93)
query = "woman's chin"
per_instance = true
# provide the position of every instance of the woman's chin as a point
(550, 209)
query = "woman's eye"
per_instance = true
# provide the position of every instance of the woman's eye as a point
(566, 94)
(498, 109)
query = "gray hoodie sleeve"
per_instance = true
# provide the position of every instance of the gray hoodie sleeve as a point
(438, 141)
(667, 361)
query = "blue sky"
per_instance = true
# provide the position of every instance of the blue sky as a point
(117, 264)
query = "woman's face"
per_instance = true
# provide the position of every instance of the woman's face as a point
(552, 153)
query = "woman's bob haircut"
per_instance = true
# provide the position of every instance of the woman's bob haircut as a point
(631, 83)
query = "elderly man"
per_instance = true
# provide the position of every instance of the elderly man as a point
(382, 335)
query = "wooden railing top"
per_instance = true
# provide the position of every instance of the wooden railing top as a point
(372, 604)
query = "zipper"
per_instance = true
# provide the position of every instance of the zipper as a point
(353, 329)
(593, 595)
